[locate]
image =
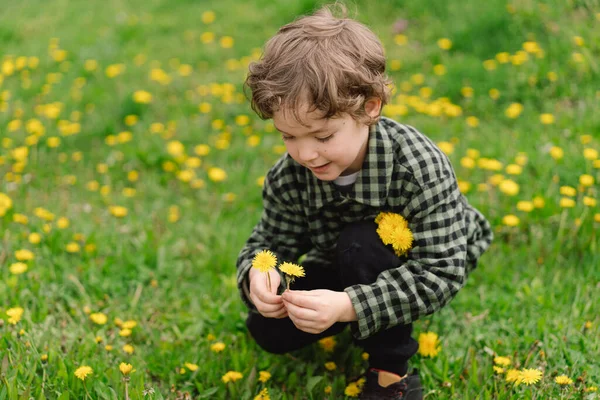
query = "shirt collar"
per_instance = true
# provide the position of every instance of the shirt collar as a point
(373, 181)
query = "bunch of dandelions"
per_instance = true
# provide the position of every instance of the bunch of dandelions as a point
(393, 229)
(291, 271)
(264, 261)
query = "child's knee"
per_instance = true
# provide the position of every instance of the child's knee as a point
(266, 335)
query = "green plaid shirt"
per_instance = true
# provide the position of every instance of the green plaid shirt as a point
(404, 172)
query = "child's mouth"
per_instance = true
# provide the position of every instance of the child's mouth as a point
(320, 169)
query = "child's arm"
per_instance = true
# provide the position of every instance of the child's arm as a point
(436, 266)
(281, 229)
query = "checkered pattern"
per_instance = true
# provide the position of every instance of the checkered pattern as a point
(404, 172)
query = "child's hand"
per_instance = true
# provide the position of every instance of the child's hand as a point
(268, 303)
(314, 311)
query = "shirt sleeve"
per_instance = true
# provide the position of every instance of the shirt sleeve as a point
(434, 269)
(281, 229)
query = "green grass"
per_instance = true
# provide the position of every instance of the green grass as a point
(530, 298)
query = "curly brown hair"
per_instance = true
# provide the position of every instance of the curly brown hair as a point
(332, 64)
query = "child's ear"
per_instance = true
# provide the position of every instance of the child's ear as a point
(373, 107)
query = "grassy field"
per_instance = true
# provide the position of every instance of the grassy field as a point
(130, 177)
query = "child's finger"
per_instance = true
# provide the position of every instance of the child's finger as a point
(299, 312)
(268, 297)
(299, 300)
(279, 314)
(273, 313)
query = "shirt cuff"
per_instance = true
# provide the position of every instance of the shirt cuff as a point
(364, 301)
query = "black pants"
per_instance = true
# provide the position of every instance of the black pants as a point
(360, 257)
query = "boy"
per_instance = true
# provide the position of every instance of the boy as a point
(322, 81)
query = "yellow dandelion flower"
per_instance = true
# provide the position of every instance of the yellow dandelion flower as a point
(352, 390)
(512, 375)
(264, 260)
(328, 343)
(494, 93)
(99, 318)
(566, 202)
(590, 154)
(20, 219)
(473, 122)
(226, 42)
(327, 389)
(568, 191)
(125, 332)
(514, 169)
(446, 147)
(502, 361)
(444, 44)
(498, 370)
(14, 315)
(529, 376)
(18, 268)
(263, 395)
(208, 17)
(330, 366)
(126, 369)
(264, 376)
(586, 180)
(24, 255)
(439, 69)
(175, 148)
(118, 211)
(128, 349)
(591, 389)
(509, 187)
(218, 347)
(393, 229)
(231, 376)
(292, 269)
(556, 152)
(547, 119)
(72, 247)
(526, 206)
(403, 240)
(589, 201)
(365, 356)
(429, 344)
(510, 220)
(514, 110)
(142, 97)
(83, 372)
(191, 367)
(563, 380)
(129, 324)
(217, 174)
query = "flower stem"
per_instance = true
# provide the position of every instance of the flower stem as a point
(268, 281)
(126, 389)
(86, 391)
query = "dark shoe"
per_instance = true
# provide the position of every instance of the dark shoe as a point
(408, 388)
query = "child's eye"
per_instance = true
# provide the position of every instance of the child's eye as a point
(286, 138)
(325, 139)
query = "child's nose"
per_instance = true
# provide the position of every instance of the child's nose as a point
(307, 153)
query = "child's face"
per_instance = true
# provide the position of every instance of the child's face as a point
(328, 147)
